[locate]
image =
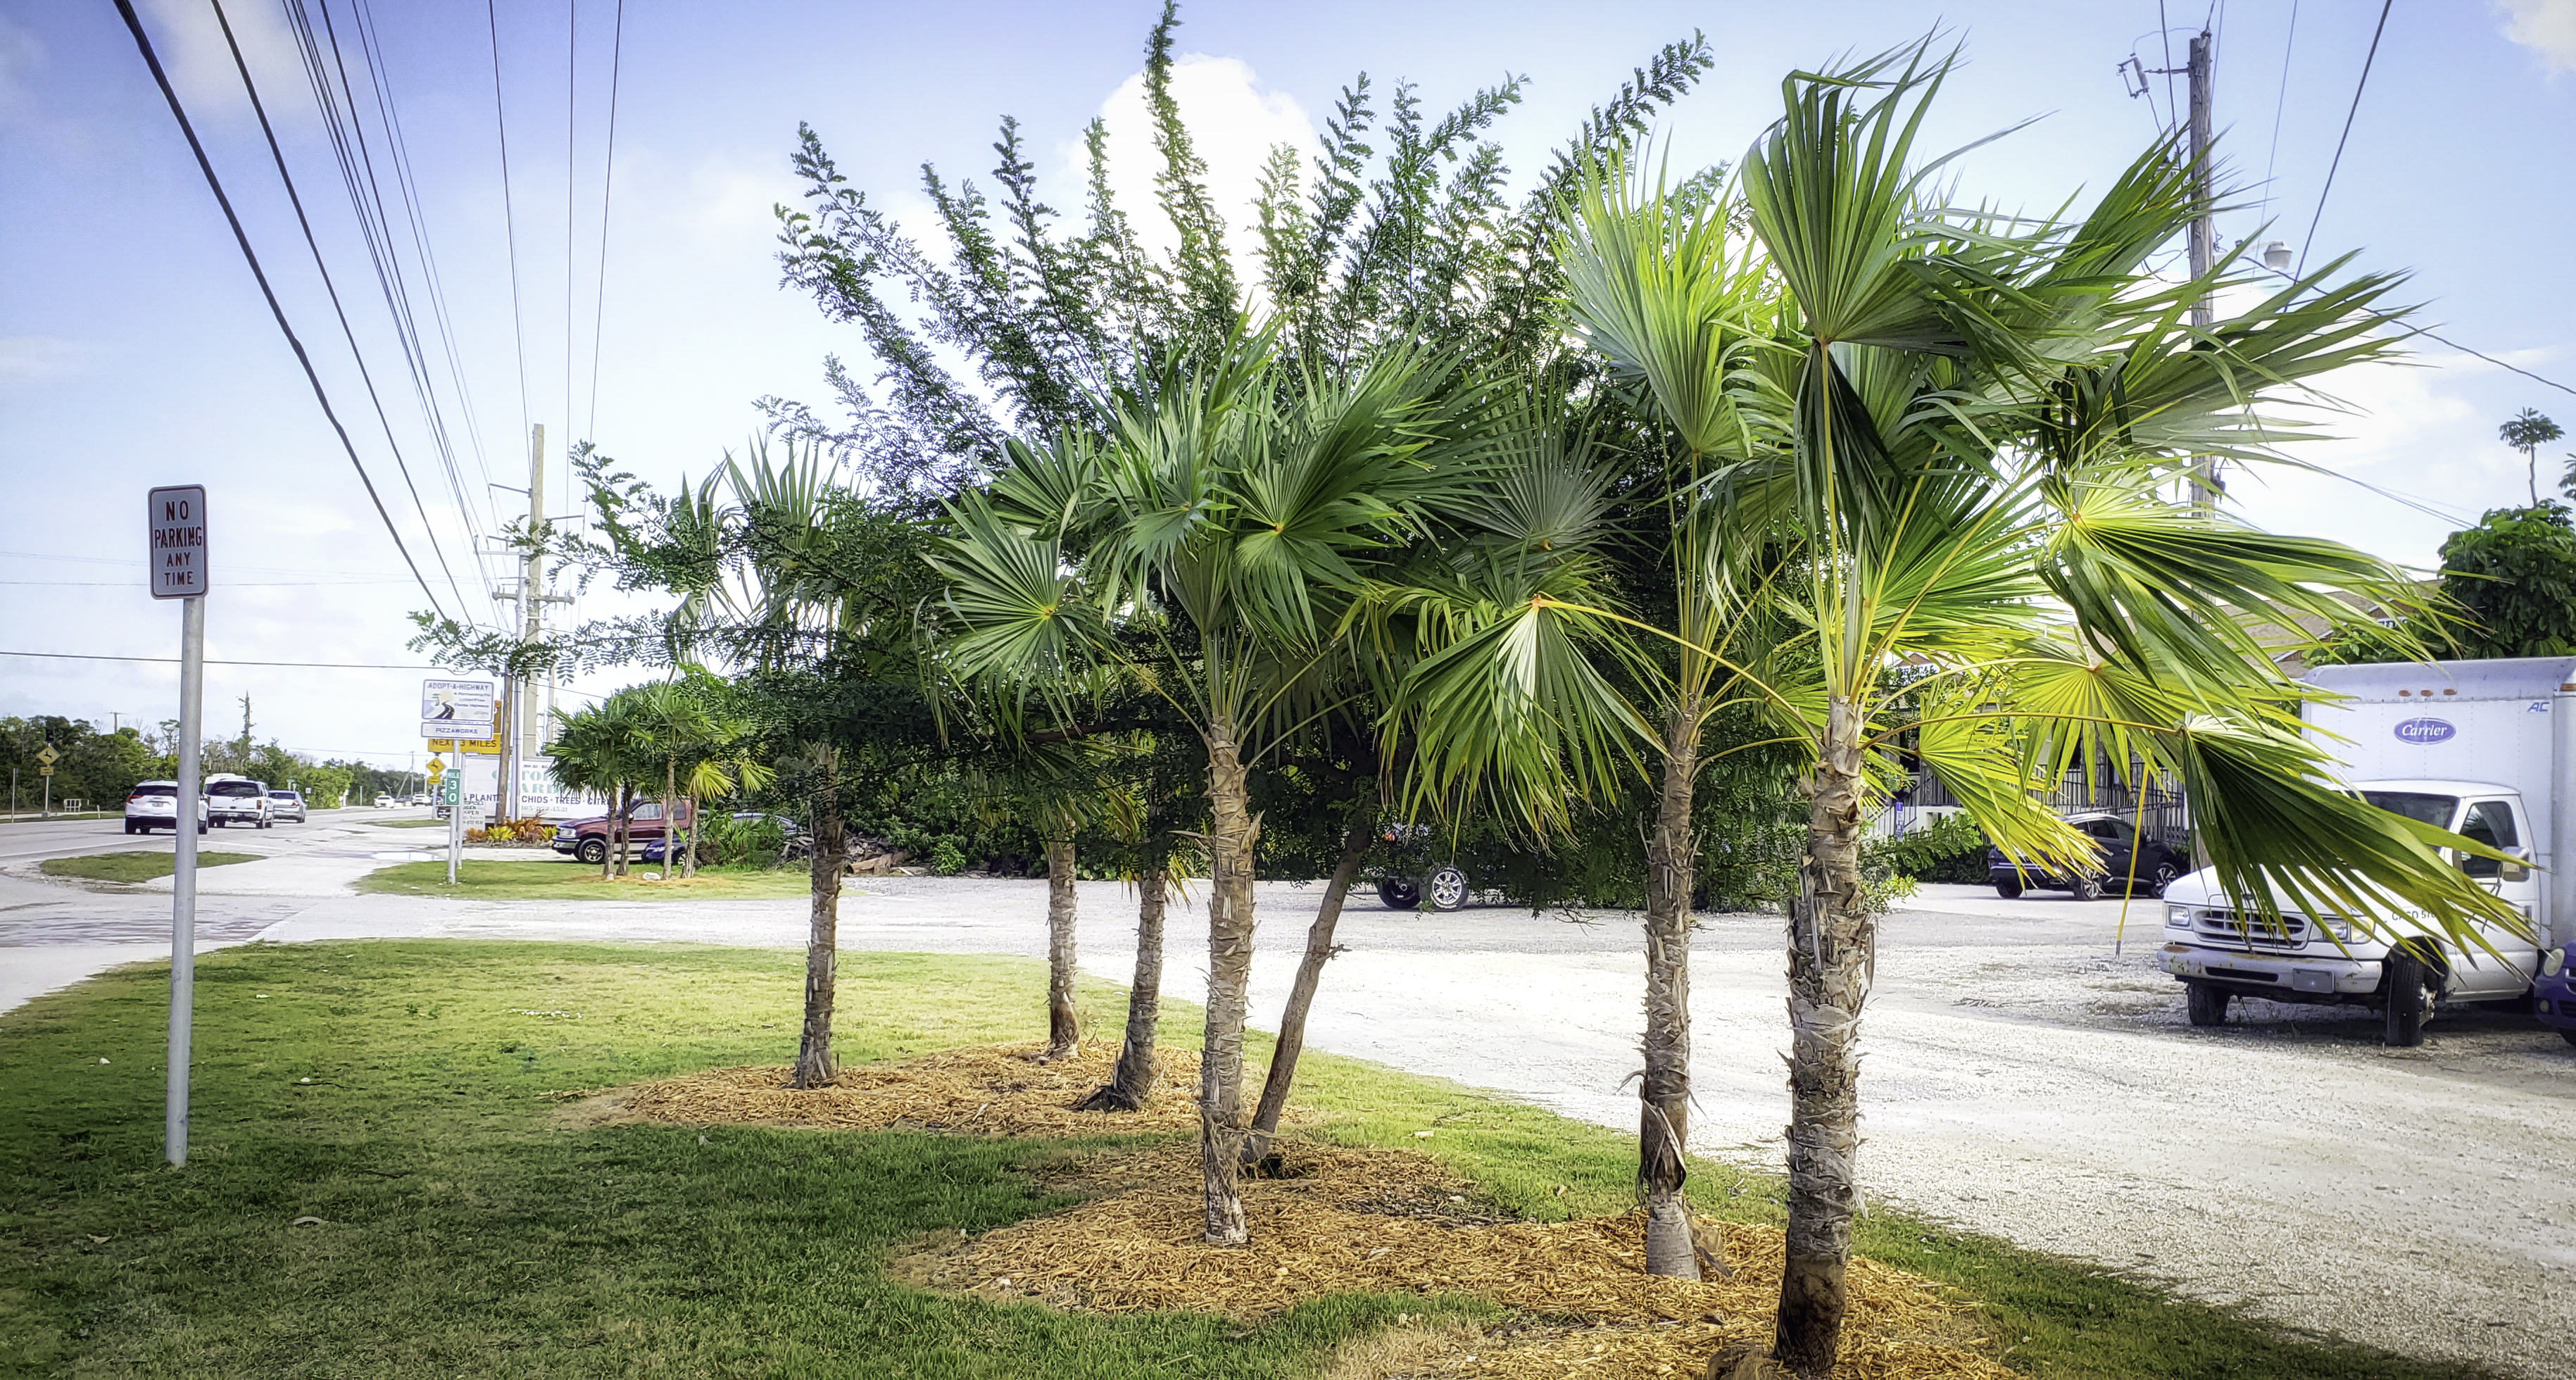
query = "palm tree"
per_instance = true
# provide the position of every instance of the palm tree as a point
(677, 727)
(2527, 432)
(1954, 439)
(1233, 510)
(600, 748)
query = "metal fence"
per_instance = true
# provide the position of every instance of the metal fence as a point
(2162, 815)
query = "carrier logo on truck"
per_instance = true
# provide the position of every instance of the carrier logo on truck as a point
(2425, 731)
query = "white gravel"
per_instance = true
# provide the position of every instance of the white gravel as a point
(2020, 1078)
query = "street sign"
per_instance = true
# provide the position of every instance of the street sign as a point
(456, 708)
(452, 789)
(442, 745)
(488, 747)
(44, 771)
(177, 554)
(47, 755)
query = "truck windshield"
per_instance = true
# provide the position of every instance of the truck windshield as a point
(2435, 810)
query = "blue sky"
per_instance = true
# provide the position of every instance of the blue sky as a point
(135, 349)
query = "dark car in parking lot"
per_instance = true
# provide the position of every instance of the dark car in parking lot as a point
(2120, 855)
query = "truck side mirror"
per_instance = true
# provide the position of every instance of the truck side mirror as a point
(2515, 871)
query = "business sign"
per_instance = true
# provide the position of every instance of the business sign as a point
(177, 550)
(456, 709)
(2425, 732)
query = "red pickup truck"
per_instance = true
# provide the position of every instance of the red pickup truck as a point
(587, 839)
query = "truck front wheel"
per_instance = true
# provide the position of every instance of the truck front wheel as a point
(2008, 888)
(1399, 893)
(591, 851)
(2208, 1004)
(2405, 1000)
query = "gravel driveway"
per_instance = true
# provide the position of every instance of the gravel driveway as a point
(2020, 1077)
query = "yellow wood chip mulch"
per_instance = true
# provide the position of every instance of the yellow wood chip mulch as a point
(1001, 1090)
(1389, 1221)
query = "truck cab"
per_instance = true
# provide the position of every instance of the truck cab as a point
(2220, 952)
(2485, 749)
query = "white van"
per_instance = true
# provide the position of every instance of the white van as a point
(2485, 749)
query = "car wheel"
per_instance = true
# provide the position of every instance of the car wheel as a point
(2009, 888)
(1399, 893)
(2164, 877)
(2207, 1004)
(129, 826)
(2086, 888)
(2405, 1000)
(1445, 888)
(2568, 1035)
(592, 851)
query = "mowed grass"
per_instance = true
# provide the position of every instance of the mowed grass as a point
(134, 867)
(467, 1230)
(408, 823)
(563, 879)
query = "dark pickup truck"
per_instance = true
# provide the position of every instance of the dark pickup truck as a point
(587, 839)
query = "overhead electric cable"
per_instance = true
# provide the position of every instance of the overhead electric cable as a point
(2357, 88)
(346, 333)
(509, 217)
(2280, 102)
(143, 43)
(572, 126)
(212, 661)
(607, 176)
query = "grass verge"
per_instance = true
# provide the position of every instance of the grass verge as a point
(560, 879)
(133, 867)
(408, 823)
(405, 1095)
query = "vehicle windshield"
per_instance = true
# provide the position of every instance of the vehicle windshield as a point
(281, 795)
(148, 789)
(2435, 810)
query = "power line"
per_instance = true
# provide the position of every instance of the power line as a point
(346, 333)
(2491, 359)
(607, 176)
(509, 217)
(2357, 88)
(2280, 103)
(143, 43)
(211, 661)
(572, 126)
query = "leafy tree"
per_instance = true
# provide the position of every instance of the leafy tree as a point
(92, 767)
(2527, 431)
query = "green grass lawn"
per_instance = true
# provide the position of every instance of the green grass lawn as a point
(407, 823)
(404, 1092)
(134, 867)
(558, 878)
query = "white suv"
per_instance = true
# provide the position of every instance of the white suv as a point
(155, 805)
(237, 800)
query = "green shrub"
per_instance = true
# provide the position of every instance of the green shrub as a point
(1949, 849)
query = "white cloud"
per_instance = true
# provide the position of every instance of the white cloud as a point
(20, 56)
(40, 358)
(192, 50)
(1233, 124)
(2547, 27)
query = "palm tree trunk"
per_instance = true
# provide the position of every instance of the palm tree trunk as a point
(1301, 993)
(1231, 832)
(1830, 944)
(670, 825)
(689, 861)
(823, 937)
(1128, 1087)
(1664, 1094)
(1064, 1030)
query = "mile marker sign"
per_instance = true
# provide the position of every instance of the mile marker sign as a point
(178, 548)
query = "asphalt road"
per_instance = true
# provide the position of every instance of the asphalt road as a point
(2027, 1072)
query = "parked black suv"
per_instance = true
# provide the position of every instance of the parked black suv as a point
(2115, 840)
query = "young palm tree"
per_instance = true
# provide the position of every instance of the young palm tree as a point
(1957, 435)
(1231, 513)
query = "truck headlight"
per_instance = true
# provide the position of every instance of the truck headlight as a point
(2340, 929)
(2553, 962)
(2178, 917)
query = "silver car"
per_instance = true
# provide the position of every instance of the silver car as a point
(286, 805)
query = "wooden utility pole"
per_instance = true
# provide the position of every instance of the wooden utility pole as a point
(2204, 240)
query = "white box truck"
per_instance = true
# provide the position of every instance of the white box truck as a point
(2486, 749)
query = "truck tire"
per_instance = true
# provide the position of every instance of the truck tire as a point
(2008, 888)
(2086, 888)
(1399, 893)
(591, 851)
(2405, 1000)
(1445, 888)
(2207, 1004)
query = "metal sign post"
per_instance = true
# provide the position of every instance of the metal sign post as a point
(178, 562)
(454, 794)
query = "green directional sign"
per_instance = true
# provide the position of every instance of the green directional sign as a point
(454, 788)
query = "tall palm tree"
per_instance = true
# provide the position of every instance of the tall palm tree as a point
(1231, 512)
(1964, 433)
(2527, 431)
(601, 748)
